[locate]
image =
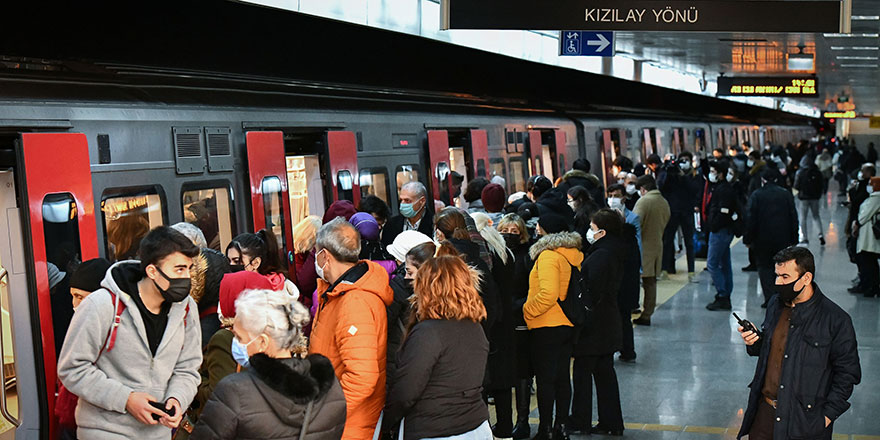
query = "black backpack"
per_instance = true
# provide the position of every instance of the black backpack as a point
(575, 305)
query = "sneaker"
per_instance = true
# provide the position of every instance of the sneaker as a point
(720, 303)
(642, 321)
(750, 268)
(692, 277)
(822, 240)
(664, 275)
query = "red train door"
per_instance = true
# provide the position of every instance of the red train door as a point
(535, 153)
(59, 226)
(480, 152)
(342, 153)
(560, 142)
(267, 174)
(438, 160)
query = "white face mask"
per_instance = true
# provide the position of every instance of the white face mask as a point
(319, 269)
(870, 189)
(631, 188)
(591, 235)
(730, 176)
(750, 163)
(861, 176)
(572, 205)
(685, 166)
(615, 203)
(713, 177)
(621, 181)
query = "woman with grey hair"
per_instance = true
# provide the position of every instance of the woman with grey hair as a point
(280, 395)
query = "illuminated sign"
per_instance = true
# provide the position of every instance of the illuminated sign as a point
(767, 86)
(648, 15)
(839, 115)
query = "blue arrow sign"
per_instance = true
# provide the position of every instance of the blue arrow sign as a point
(585, 43)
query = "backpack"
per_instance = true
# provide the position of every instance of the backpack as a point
(575, 305)
(812, 184)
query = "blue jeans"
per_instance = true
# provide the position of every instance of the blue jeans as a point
(718, 261)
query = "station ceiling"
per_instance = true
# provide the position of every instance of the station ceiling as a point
(847, 67)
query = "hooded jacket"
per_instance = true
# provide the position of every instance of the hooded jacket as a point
(554, 254)
(103, 381)
(351, 329)
(269, 401)
(587, 180)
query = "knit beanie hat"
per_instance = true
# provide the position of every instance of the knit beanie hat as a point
(493, 197)
(233, 284)
(405, 241)
(339, 208)
(553, 223)
(89, 274)
(365, 224)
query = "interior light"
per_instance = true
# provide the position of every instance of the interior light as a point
(858, 65)
(801, 61)
(855, 48)
(857, 58)
(851, 35)
(865, 17)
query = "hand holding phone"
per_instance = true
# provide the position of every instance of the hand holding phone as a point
(161, 407)
(747, 326)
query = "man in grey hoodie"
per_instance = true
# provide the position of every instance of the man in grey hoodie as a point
(151, 355)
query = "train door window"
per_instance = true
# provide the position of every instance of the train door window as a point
(270, 187)
(305, 187)
(699, 139)
(546, 159)
(481, 168)
(345, 185)
(497, 168)
(404, 174)
(7, 343)
(61, 235)
(562, 164)
(517, 180)
(457, 163)
(210, 209)
(128, 217)
(374, 182)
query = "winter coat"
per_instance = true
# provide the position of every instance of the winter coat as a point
(858, 193)
(676, 188)
(771, 219)
(653, 210)
(502, 350)
(555, 201)
(819, 372)
(351, 330)
(217, 364)
(437, 388)
(487, 288)
(269, 401)
(866, 240)
(755, 176)
(523, 264)
(394, 226)
(554, 254)
(587, 180)
(630, 283)
(603, 269)
(103, 381)
(476, 206)
(722, 208)
(306, 277)
(809, 183)
(398, 317)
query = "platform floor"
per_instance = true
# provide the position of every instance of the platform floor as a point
(689, 380)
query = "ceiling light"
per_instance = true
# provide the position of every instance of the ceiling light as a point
(859, 65)
(855, 48)
(851, 35)
(858, 58)
(866, 17)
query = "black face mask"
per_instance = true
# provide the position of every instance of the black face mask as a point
(787, 292)
(512, 240)
(236, 268)
(178, 288)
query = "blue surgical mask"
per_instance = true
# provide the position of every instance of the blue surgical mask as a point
(406, 210)
(239, 352)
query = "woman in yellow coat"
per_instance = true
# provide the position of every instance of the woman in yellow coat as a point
(550, 332)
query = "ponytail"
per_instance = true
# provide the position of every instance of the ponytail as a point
(272, 255)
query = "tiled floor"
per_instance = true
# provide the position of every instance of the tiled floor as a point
(689, 381)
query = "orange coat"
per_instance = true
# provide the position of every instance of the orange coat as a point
(350, 329)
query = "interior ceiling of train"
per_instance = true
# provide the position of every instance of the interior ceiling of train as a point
(846, 66)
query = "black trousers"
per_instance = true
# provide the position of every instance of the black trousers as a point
(551, 356)
(764, 422)
(684, 220)
(601, 370)
(766, 270)
(869, 270)
(628, 349)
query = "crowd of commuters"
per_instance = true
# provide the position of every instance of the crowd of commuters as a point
(408, 326)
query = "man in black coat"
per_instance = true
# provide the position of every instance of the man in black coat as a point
(675, 184)
(771, 225)
(722, 219)
(415, 213)
(808, 359)
(580, 175)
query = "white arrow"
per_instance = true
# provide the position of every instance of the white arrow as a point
(602, 42)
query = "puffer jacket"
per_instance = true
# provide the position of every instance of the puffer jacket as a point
(351, 329)
(554, 254)
(270, 401)
(103, 381)
(603, 270)
(866, 240)
(819, 372)
(587, 180)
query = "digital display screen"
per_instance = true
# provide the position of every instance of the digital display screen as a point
(768, 86)
(840, 115)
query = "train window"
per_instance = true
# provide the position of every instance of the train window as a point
(517, 180)
(61, 238)
(209, 208)
(405, 174)
(305, 187)
(374, 181)
(270, 187)
(344, 185)
(128, 217)
(497, 168)
(7, 343)
(562, 164)
(481, 168)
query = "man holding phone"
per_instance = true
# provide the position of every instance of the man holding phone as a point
(808, 361)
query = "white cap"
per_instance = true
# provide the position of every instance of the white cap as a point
(515, 196)
(405, 241)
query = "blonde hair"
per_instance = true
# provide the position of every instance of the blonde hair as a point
(491, 235)
(304, 234)
(515, 220)
(446, 288)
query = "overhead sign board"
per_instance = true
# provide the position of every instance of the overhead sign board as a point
(782, 86)
(840, 115)
(582, 43)
(649, 15)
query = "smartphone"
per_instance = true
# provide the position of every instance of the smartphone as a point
(746, 325)
(161, 406)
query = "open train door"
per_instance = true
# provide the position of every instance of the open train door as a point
(479, 153)
(342, 154)
(55, 183)
(438, 162)
(535, 153)
(267, 174)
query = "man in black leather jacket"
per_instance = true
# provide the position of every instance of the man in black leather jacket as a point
(808, 360)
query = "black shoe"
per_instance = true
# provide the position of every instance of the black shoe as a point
(642, 321)
(871, 294)
(822, 240)
(560, 432)
(856, 290)
(764, 305)
(601, 430)
(578, 429)
(522, 430)
(750, 268)
(627, 359)
(636, 312)
(501, 433)
(719, 304)
(544, 433)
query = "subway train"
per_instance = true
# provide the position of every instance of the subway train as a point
(95, 152)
